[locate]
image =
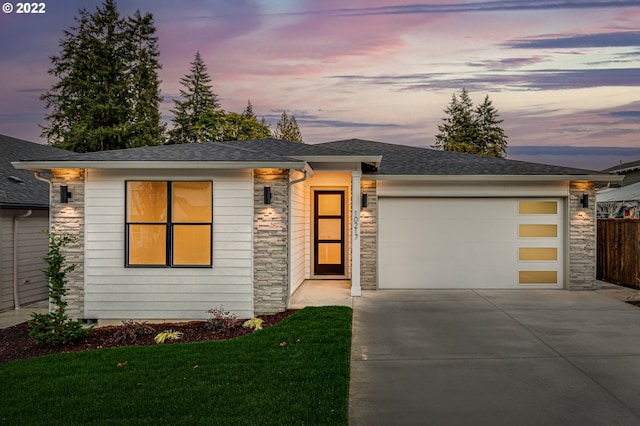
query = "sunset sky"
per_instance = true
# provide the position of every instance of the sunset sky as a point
(564, 75)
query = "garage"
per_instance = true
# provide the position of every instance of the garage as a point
(470, 243)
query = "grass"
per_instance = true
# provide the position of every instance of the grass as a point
(252, 380)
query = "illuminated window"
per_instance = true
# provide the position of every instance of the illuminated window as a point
(538, 207)
(169, 223)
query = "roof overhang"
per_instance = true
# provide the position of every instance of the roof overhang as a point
(497, 178)
(48, 165)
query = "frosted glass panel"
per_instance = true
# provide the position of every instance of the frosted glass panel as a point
(192, 245)
(538, 277)
(329, 205)
(538, 207)
(191, 201)
(329, 253)
(538, 253)
(538, 231)
(147, 244)
(146, 201)
(329, 229)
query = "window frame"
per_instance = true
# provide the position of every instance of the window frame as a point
(169, 225)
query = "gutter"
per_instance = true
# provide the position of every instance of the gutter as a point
(16, 296)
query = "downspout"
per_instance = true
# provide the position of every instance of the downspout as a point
(16, 296)
(308, 172)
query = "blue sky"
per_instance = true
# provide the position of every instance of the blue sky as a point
(565, 75)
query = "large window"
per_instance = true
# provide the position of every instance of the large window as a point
(168, 223)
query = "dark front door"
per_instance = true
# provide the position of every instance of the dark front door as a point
(328, 219)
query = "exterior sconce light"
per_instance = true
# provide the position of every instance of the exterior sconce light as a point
(267, 195)
(584, 202)
(365, 200)
(65, 195)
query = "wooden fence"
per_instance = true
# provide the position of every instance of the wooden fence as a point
(619, 251)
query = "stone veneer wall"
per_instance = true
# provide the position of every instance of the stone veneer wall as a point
(270, 245)
(369, 237)
(69, 219)
(582, 237)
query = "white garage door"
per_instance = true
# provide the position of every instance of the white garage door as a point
(464, 243)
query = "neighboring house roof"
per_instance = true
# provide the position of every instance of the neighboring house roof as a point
(384, 160)
(20, 188)
(402, 160)
(626, 193)
(624, 167)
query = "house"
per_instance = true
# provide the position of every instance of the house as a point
(621, 202)
(630, 171)
(24, 215)
(168, 232)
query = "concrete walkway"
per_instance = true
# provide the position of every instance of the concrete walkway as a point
(16, 316)
(495, 357)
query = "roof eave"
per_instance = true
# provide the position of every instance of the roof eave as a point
(48, 165)
(496, 178)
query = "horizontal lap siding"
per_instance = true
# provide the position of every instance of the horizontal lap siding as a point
(116, 292)
(32, 247)
(298, 235)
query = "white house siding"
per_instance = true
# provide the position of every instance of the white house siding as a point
(115, 292)
(32, 247)
(298, 233)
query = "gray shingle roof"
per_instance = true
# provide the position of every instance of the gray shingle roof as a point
(19, 188)
(624, 167)
(288, 148)
(408, 160)
(205, 152)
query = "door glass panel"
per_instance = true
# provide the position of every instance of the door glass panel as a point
(537, 231)
(329, 229)
(191, 201)
(192, 244)
(146, 201)
(329, 205)
(147, 244)
(329, 253)
(538, 207)
(538, 277)
(538, 253)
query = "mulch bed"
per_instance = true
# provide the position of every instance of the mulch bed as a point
(15, 342)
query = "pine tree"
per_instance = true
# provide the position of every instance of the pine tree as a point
(287, 129)
(491, 136)
(145, 84)
(248, 111)
(198, 100)
(469, 130)
(92, 105)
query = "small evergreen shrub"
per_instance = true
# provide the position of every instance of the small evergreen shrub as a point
(56, 328)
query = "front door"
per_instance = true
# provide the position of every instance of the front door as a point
(328, 219)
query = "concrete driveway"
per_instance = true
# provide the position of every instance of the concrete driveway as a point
(495, 357)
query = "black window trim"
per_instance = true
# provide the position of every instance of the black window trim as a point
(169, 225)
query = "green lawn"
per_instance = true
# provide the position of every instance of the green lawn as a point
(252, 380)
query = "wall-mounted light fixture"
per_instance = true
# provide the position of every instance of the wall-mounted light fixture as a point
(65, 195)
(267, 195)
(584, 202)
(365, 200)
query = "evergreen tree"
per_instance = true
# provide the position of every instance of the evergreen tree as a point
(474, 131)
(491, 136)
(198, 101)
(287, 129)
(248, 111)
(145, 84)
(92, 105)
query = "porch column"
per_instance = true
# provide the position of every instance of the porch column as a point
(355, 233)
